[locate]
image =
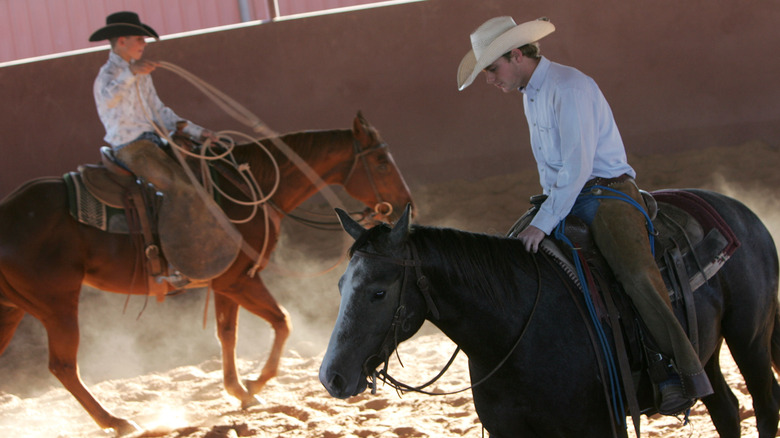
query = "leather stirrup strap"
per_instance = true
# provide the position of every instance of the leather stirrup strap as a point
(622, 356)
(599, 354)
(681, 277)
(150, 249)
(620, 343)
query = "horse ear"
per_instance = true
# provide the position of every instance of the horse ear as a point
(401, 229)
(360, 131)
(352, 228)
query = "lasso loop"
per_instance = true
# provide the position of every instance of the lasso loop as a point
(246, 117)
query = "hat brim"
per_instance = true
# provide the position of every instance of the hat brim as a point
(518, 36)
(123, 29)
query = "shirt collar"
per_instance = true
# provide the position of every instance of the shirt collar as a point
(537, 78)
(116, 59)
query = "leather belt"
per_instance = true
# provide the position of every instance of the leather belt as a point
(599, 181)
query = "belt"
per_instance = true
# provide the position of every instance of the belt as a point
(599, 181)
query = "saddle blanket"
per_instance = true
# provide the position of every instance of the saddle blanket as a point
(88, 210)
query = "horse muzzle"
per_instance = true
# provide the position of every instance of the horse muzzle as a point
(339, 386)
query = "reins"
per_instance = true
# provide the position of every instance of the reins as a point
(390, 342)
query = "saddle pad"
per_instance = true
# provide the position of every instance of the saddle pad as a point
(703, 212)
(718, 243)
(88, 210)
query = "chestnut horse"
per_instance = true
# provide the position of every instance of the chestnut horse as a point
(46, 256)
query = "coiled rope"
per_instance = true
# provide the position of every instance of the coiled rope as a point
(246, 117)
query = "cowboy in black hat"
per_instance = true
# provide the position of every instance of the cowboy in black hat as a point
(124, 112)
(133, 116)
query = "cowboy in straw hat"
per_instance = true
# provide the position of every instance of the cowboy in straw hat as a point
(579, 154)
(193, 240)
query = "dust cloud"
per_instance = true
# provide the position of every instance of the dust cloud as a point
(123, 338)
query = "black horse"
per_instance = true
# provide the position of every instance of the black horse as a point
(491, 297)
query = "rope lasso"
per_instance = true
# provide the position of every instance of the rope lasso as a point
(246, 117)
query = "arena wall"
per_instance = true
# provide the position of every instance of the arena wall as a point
(679, 75)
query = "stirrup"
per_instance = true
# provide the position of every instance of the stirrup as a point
(176, 280)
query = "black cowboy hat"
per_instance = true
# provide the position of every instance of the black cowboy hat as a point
(123, 24)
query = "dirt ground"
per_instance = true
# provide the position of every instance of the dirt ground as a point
(157, 365)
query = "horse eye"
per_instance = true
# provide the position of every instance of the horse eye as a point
(378, 295)
(382, 163)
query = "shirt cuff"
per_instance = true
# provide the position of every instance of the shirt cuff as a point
(193, 130)
(544, 222)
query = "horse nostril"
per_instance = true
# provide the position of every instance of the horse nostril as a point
(334, 383)
(337, 383)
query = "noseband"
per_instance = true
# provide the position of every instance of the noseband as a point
(382, 207)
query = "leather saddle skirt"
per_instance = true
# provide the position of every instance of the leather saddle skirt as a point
(195, 236)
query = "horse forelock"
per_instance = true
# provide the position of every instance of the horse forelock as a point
(370, 235)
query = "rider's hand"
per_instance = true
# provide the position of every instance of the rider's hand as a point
(531, 238)
(143, 67)
(208, 135)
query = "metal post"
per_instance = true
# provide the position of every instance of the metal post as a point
(273, 9)
(243, 10)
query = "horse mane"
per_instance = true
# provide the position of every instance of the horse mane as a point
(480, 262)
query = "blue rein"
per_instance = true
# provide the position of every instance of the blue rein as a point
(558, 233)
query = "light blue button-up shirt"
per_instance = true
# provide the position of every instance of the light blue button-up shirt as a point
(573, 135)
(125, 111)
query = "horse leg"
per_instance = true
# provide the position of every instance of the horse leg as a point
(227, 331)
(10, 317)
(722, 404)
(254, 297)
(63, 333)
(754, 361)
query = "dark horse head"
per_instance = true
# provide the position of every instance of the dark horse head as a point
(377, 305)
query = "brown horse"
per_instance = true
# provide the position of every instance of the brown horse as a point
(46, 256)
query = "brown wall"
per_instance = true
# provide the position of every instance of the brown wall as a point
(679, 75)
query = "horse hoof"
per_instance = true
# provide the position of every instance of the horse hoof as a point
(252, 401)
(126, 428)
(255, 386)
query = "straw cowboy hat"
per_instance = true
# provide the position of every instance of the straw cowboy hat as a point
(494, 38)
(123, 24)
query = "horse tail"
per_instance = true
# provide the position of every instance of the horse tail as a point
(776, 342)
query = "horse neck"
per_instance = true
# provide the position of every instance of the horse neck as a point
(477, 278)
(328, 153)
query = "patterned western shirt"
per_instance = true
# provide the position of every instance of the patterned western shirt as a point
(125, 103)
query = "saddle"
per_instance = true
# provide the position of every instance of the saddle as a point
(167, 227)
(692, 242)
(109, 197)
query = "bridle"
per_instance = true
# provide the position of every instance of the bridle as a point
(382, 208)
(401, 319)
